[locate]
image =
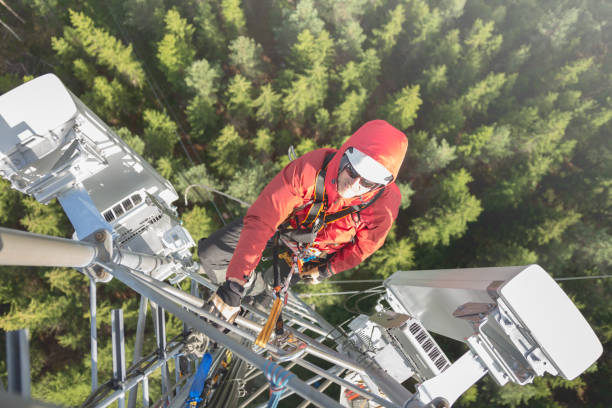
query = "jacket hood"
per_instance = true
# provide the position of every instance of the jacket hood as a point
(377, 139)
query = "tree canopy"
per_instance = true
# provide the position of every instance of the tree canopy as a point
(507, 107)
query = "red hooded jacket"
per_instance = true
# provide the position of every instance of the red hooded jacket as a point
(350, 239)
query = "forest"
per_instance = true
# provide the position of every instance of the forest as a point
(507, 105)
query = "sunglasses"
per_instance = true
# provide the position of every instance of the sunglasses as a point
(370, 185)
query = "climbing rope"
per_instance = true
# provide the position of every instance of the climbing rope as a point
(278, 377)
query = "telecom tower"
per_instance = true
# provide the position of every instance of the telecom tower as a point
(516, 321)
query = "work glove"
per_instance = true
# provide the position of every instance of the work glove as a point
(227, 299)
(313, 274)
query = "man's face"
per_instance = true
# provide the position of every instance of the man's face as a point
(351, 185)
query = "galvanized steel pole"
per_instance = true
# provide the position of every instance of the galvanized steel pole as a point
(29, 249)
(294, 383)
(93, 334)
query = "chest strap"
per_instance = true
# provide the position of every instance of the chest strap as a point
(319, 202)
(317, 217)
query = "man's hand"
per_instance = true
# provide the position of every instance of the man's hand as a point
(227, 299)
(311, 275)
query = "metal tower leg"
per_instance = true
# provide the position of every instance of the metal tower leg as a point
(160, 332)
(119, 370)
(138, 344)
(93, 334)
(18, 362)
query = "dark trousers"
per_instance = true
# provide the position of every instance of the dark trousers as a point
(216, 251)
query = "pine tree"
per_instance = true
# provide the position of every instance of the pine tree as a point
(426, 22)
(246, 56)
(110, 100)
(348, 114)
(264, 141)
(198, 175)
(239, 99)
(306, 93)
(386, 37)
(99, 44)
(235, 23)
(479, 96)
(175, 51)
(132, 140)
(267, 104)
(44, 219)
(397, 254)
(451, 210)
(402, 107)
(203, 79)
(228, 150)
(432, 155)
(304, 17)
(160, 134)
(210, 38)
(311, 51)
(199, 223)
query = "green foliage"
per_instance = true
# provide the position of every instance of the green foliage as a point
(248, 182)
(108, 99)
(517, 93)
(426, 22)
(203, 79)
(208, 33)
(395, 255)
(165, 167)
(453, 208)
(235, 23)
(306, 93)
(363, 74)
(385, 37)
(132, 140)
(348, 114)
(264, 141)
(239, 100)
(199, 223)
(401, 109)
(175, 51)
(228, 149)
(484, 92)
(481, 44)
(473, 144)
(201, 179)
(570, 73)
(433, 155)
(160, 133)
(8, 82)
(436, 79)
(246, 56)
(267, 104)
(407, 192)
(305, 16)
(311, 51)
(10, 203)
(99, 44)
(44, 219)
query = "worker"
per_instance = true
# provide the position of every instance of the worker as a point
(336, 205)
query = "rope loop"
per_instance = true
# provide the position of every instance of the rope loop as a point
(278, 377)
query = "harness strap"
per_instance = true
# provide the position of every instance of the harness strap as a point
(319, 203)
(317, 218)
(329, 218)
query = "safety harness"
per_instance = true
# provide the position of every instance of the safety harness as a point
(303, 236)
(317, 216)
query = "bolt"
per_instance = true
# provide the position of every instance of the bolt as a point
(99, 236)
